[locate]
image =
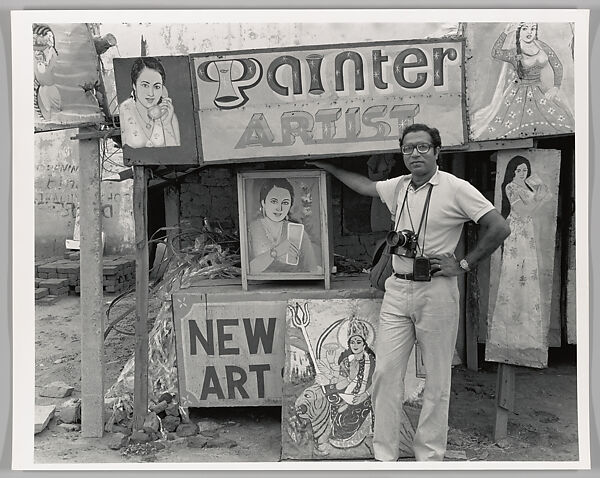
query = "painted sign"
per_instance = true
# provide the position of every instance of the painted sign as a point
(323, 100)
(284, 218)
(155, 110)
(522, 271)
(228, 353)
(520, 80)
(330, 357)
(65, 76)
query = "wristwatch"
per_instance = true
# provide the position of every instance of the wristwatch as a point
(273, 253)
(464, 265)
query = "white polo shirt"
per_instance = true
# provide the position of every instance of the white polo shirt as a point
(453, 202)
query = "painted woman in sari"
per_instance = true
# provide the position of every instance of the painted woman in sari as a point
(347, 385)
(518, 304)
(522, 105)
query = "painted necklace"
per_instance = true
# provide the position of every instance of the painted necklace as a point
(274, 239)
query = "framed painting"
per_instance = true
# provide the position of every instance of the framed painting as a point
(284, 225)
(155, 110)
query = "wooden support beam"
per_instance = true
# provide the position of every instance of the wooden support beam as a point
(472, 306)
(91, 308)
(505, 399)
(140, 216)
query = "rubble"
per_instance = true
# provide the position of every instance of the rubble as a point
(43, 414)
(118, 441)
(187, 429)
(70, 411)
(56, 390)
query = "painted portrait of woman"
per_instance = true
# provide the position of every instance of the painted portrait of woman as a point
(518, 309)
(47, 98)
(148, 116)
(277, 241)
(522, 103)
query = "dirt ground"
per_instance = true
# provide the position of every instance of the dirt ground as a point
(543, 426)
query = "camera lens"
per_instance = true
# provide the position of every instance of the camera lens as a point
(392, 238)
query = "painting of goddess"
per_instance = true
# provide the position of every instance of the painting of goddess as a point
(523, 103)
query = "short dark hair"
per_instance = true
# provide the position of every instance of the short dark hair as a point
(271, 183)
(436, 139)
(147, 62)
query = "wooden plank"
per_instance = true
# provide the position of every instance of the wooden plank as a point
(472, 306)
(505, 399)
(92, 316)
(140, 216)
(493, 145)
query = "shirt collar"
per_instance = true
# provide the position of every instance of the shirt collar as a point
(433, 180)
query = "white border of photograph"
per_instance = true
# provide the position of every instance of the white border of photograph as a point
(23, 215)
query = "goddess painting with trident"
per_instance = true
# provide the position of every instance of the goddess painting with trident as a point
(338, 405)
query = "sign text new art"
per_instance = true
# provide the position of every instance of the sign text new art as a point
(228, 353)
(340, 99)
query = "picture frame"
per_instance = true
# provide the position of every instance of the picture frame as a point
(284, 228)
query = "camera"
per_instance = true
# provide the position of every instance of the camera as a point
(422, 269)
(402, 243)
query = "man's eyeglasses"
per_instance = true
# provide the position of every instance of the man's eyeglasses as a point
(421, 148)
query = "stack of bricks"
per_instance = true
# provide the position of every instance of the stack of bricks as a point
(118, 274)
(56, 277)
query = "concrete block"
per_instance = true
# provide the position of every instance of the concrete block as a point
(187, 430)
(196, 442)
(43, 414)
(47, 268)
(41, 292)
(54, 283)
(173, 409)
(70, 411)
(117, 441)
(56, 390)
(139, 436)
(159, 407)
(170, 423)
(48, 300)
(151, 423)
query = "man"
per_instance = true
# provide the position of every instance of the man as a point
(423, 305)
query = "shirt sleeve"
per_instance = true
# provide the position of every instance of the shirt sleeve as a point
(472, 203)
(387, 191)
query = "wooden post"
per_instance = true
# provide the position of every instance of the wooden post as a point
(140, 217)
(472, 307)
(172, 203)
(91, 308)
(505, 399)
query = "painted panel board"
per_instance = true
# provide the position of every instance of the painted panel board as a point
(522, 271)
(285, 230)
(65, 68)
(520, 80)
(228, 353)
(326, 100)
(156, 110)
(330, 356)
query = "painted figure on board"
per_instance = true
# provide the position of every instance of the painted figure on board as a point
(148, 117)
(522, 105)
(276, 242)
(518, 301)
(338, 405)
(46, 97)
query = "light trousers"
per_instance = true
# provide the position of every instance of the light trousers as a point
(428, 313)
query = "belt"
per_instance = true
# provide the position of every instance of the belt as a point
(404, 276)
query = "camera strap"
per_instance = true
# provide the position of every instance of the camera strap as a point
(424, 215)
